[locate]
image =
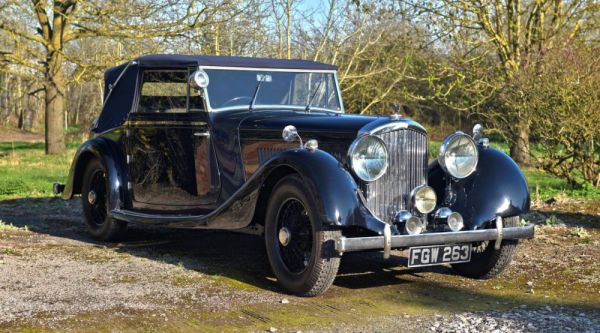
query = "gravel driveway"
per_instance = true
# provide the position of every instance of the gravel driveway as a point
(53, 277)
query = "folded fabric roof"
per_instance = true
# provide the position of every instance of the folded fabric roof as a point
(120, 81)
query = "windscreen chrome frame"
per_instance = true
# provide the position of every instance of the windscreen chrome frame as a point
(274, 106)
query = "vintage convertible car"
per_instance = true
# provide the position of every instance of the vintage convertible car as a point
(264, 146)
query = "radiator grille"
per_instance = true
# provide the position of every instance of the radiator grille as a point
(407, 169)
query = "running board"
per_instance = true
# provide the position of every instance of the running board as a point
(170, 220)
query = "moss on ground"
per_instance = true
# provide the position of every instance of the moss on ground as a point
(557, 268)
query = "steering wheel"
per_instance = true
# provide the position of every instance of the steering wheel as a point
(238, 100)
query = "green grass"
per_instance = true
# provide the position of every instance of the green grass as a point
(9, 227)
(25, 171)
(549, 186)
(540, 182)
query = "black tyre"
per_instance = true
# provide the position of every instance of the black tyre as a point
(300, 248)
(487, 262)
(94, 200)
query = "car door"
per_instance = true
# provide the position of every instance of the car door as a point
(171, 160)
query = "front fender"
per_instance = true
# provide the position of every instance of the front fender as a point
(113, 161)
(335, 190)
(496, 188)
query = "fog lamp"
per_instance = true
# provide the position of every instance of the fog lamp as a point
(414, 226)
(424, 199)
(455, 221)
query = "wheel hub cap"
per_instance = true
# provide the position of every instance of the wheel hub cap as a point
(92, 197)
(284, 236)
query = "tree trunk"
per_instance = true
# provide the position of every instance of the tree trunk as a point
(28, 114)
(55, 113)
(19, 103)
(288, 13)
(519, 148)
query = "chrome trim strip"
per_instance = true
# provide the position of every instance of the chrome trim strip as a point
(394, 125)
(344, 244)
(339, 92)
(163, 123)
(272, 106)
(263, 107)
(280, 69)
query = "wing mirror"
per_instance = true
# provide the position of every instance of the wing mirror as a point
(290, 133)
(198, 79)
(478, 136)
(477, 132)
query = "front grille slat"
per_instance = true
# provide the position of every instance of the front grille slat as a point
(407, 169)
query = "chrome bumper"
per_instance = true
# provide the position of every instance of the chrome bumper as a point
(344, 244)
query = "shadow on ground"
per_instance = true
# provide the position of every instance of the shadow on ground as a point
(365, 282)
(238, 256)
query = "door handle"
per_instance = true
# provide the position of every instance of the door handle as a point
(203, 134)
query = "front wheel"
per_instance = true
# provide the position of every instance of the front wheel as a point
(94, 200)
(300, 248)
(487, 262)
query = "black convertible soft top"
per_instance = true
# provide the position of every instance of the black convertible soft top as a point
(120, 81)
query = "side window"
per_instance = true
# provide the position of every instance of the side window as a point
(167, 91)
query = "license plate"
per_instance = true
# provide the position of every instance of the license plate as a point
(439, 254)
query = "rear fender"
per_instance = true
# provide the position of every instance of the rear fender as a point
(496, 188)
(112, 159)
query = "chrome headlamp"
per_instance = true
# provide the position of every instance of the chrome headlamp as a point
(459, 155)
(368, 157)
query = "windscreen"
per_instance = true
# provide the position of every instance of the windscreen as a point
(232, 88)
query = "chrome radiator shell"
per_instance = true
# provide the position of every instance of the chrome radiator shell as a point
(407, 169)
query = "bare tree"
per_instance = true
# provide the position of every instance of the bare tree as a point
(283, 12)
(41, 32)
(518, 31)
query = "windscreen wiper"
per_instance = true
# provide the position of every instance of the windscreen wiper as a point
(262, 79)
(313, 95)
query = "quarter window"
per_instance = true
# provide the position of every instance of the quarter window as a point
(167, 91)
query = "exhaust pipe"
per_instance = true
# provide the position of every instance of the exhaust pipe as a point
(58, 188)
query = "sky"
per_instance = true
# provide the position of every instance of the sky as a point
(314, 6)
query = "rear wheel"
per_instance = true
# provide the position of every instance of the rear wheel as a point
(94, 200)
(487, 262)
(300, 248)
